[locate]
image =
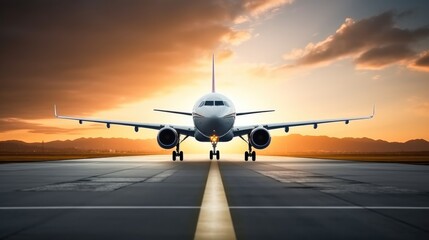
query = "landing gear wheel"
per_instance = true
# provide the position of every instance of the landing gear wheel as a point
(253, 156)
(217, 155)
(211, 155)
(174, 154)
(249, 153)
(181, 155)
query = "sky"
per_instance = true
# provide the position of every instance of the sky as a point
(306, 59)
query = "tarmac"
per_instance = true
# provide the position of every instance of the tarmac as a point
(152, 197)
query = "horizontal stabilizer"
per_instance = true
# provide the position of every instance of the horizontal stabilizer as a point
(246, 113)
(175, 112)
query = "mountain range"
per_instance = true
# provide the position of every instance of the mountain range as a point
(293, 143)
(296, 143)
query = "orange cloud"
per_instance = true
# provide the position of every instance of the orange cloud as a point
(421, 62)
(224, 54)
(88, 56)
(236, 37)
(373, 42)
(13, 124)
(256, 7)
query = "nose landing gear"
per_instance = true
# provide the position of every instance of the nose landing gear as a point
(214, 153)
(214, 140)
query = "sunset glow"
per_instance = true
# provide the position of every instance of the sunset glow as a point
(305, 59)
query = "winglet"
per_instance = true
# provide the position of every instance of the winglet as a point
(55, 110)
(373, 111)
(213, 76)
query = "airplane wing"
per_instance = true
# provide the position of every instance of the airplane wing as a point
(184, 130)
(246, 113)
(175, 112)
(244, 130)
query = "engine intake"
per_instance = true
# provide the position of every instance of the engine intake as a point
(260, 138)
(167, 138)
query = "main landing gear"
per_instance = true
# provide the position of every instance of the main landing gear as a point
(250, 153)
(178, 153)
(214, 140)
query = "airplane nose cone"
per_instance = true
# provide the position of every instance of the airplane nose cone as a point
(216, 126)
(213, 121)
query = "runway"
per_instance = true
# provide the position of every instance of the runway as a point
(151, 197)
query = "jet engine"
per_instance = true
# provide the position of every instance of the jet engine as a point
(260, 138)
(167, 137)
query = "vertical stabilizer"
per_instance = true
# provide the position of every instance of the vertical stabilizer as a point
(213, 76)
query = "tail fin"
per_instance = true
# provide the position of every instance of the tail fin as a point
(213, 76)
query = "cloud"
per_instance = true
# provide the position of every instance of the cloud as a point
(379, 57)
(254, 8)
(224, 54)
(236, 37)
(260, 6)
(13, 124)
(373, 42)
(89, 56)
(421, 62)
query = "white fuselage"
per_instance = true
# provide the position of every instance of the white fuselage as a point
(213, 115)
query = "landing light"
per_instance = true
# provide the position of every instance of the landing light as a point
(214, 139)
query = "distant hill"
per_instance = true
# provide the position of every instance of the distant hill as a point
(84, 145)
(293, 143)
(296, 143)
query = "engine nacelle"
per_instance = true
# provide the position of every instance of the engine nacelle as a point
(260, 138)
(167, 137)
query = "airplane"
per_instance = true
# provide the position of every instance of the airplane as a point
(213, 117)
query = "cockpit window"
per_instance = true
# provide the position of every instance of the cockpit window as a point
(213, 103)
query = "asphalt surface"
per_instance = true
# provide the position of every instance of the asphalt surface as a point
(151, 197)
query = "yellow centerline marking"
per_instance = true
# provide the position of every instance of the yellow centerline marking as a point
(214, 221)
